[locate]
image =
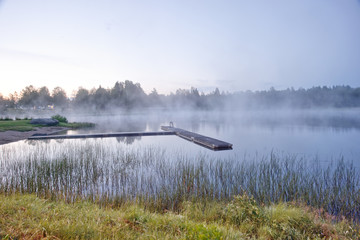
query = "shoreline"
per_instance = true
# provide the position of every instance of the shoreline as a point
(14, 136)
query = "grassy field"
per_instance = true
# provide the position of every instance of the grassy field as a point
(29, 217)
(24, 125)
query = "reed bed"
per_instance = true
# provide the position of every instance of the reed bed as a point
(161, 180)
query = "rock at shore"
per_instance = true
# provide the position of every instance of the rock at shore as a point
(45, 121)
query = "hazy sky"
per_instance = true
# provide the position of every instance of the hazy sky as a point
(167, 44)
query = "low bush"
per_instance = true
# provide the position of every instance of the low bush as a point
(60, 118)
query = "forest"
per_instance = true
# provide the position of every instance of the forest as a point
(129, 95)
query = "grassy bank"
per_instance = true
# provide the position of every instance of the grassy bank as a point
(28, 217)
(76, 125)
(21, 125)
(24, 125)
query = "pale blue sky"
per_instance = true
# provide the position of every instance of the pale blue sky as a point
(233, 45)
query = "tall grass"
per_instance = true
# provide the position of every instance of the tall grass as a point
(24, 216)
(162, 181)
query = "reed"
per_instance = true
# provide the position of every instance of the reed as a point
(160, 180)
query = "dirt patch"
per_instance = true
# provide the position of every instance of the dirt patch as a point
(13, 136)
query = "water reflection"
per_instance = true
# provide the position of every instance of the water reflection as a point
(321, 133)
(37, 142)
(324, 134)
(127, 140)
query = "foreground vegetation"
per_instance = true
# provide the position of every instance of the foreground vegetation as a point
(24, 216)
(23, 125)
(107, 174)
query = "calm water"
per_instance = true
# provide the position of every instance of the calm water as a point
(322, 134)
(167, 168)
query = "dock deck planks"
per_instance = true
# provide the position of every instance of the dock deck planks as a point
(202, 140)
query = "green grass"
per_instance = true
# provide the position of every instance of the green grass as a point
(76, 125)
(63, 122)
(28, 217)
(23, 125)
(16, 125)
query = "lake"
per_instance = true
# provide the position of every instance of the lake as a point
(276, 156)
(323, 134)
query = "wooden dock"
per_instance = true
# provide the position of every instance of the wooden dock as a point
(101, 135)
(202, 140)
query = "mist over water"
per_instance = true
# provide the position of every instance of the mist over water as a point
(309, 156)
(326, 134)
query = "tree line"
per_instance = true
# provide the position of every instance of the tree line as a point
(129, 95)
(315, 97)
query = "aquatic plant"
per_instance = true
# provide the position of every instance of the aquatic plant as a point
(162, 180)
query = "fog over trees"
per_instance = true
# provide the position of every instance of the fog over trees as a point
(129, 95)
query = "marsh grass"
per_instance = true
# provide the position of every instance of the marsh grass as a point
(159, 181)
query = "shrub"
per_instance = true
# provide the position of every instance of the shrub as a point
(245, 213)
(60, 118)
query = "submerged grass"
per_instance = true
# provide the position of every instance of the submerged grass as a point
(115, 176)
(24, 216)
